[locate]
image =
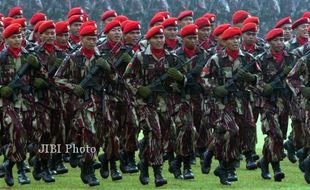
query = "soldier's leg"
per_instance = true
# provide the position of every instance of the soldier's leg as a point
(197, 110)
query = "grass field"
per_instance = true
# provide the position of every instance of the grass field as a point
(248, 180)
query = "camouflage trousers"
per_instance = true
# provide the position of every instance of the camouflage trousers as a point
(151, 148)
(306, 130)
(16, 134)
(186, 134)
(197, 113)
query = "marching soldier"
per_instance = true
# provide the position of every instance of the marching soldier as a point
(286, 24)
(172, 40)
(302, 35)
(185, 18)
(204, 31)
(75, 23)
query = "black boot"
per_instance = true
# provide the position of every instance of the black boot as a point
(88, 174)
(250, 160)
(132, 166)
(60, 165)
(176, 167)
(22, 178)
(104, 170)
(8, 177)
(264, 166)
(2, 172)
(36, 172)
(187, 170)
(159, 179)
(74, 160)
(222, 173)
(46, 173)
(66, 157)
(291, 154)
(144, 173)
(96, 165)
(171, 159)
(26, 168)
(278, 174)
(206, 162)
(306, 163)
(123, 162)
(115, 174)
(302, 155)
(232, 175)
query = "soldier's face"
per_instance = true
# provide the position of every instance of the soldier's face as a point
(62, 38)
(249, 37)
(157, 41)
(287, 31)
(277, 44)
(171, 32)
(75, 28)
(302, 31)
(106, 21)
(17, 16)
(89, 42)
(190, 41)
(14, 41)
(204, 33)
(115, 34)
(48, 36)
(186, 21)
(233, 43)
(132, 37)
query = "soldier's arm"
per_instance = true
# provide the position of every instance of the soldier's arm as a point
(63, 78)
(133, 72)
(295, 78)
(210, 74)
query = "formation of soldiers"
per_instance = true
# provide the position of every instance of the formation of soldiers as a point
(191, 87)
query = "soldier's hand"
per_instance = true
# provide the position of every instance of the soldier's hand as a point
(220, 91)
(6, 91)
(126, 58)
(306, 92)
(268, 89)
(175, 74)
(33, 61)
(286, 70)
(78, 90)
(245, 76)
(39, 83)
(104, 65)
(144, 91)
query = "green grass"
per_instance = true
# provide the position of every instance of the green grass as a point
(248, 180)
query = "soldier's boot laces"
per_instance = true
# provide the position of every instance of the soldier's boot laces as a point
(206, 162)
(264, 166)
(159, 179)
(115, 174)
(222, 173)
(144, 173)
(187, 170)
(8, 177)
(291, 154)
(46, 173)
(22, 178)
(104, 170)
(278, 174)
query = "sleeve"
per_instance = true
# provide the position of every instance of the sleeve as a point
(297, 77)
(63, 78)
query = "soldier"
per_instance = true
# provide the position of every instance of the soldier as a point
(275, 65)
(62, 36)
(156, 20)
(238, 17)
(146, 67)
(302, 35)
(106, 17)
(16, 12)
(304, 49)
(229, 79)
(75, 23)
(212, 19)
(172, 41)
(249, 39)
(131, 34)
(33, 21)
(219, 44)
(204, 31)
(14, 102)
(286, 24)
(185, 18)
(22, 21)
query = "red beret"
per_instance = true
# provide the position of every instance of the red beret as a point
(170, 22)
(154, 31)
(7, 21)
(36, 27)
(190, 29)
(239, 16)
(276, 32)
(107, 14)
(62, 27)
(21, 21)
(300, 21)
(306, 14)
(89, 30)
(156, 18)
(89, 23)
(231, 32)
(75, 18)
(220, 29)
(15, 11)
(202, 22)
(37, 17)
(184, 14)
(12, 29)
(165, 14)
(75, 11)
(110, 25)
(46, 25)
(121, 18)
(249, 27)
(252, 19)
(210, 16)
(123, 24)
(131, 25)
(281, 22)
